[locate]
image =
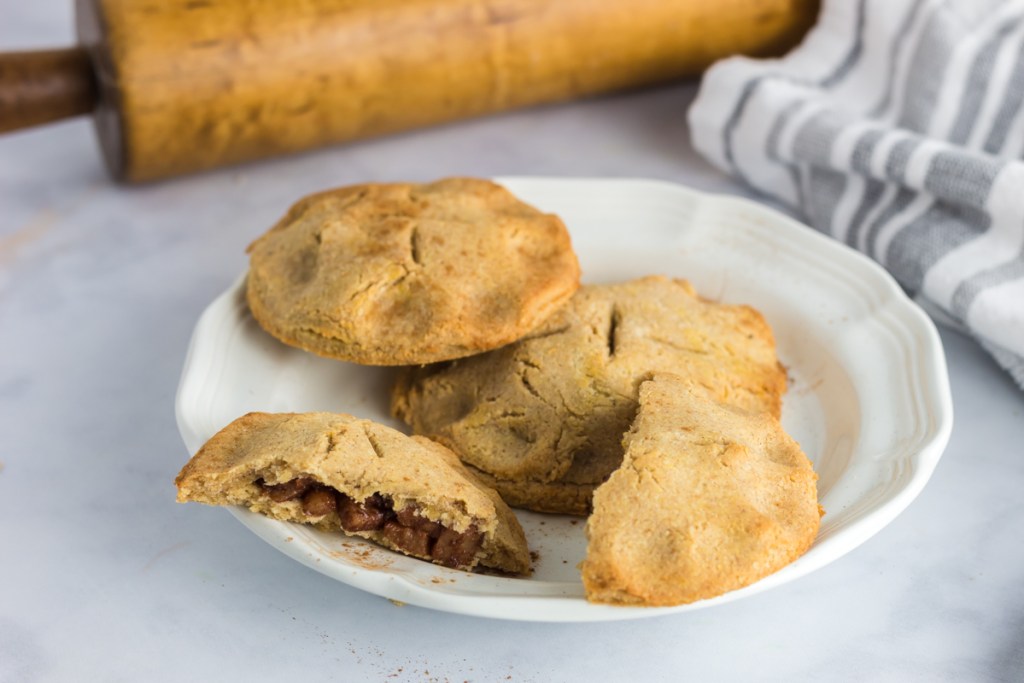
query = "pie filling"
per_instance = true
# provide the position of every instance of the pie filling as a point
(406, 529)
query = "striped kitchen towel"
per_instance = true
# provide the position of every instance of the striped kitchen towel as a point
(898, 128)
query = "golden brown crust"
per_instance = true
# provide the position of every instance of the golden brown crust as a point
(709, 499)
(557, 497)
(400, 274)
(544, 417)
(357, 458)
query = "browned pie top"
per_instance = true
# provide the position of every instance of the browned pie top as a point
(544, 417)
(401, 274)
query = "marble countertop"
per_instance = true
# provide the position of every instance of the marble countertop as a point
(106, 578)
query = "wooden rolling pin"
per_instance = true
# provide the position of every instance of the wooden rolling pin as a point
(183, 85)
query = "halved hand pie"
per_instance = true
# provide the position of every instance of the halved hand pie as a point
(709, 498)
(341, 473)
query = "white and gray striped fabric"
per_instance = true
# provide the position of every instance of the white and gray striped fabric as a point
(898, 128)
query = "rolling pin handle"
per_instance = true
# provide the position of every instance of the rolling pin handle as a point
(40, 87)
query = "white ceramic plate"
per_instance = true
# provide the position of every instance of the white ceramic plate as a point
(869, 399)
